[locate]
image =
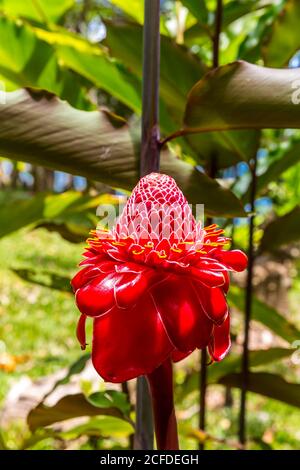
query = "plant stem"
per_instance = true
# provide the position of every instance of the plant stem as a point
(211, 171)
(143, 439)
(161, 386)
(150, 150)
(150, 154)
(216, 38)
(248, 307)
(203, 386)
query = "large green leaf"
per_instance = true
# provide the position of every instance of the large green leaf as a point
(65, 208)
(266, 315)
(63, 63)
(68, 407)
(243, 96)
(28, 61)
(269, 385)
(101, 426)
(179, 71)
(37, 10)
(41, 129)
(281, 231)
(179, 68)
(231, 365)
(71, 214)
(284, 38)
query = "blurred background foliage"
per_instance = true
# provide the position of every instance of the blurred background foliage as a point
(61, 159)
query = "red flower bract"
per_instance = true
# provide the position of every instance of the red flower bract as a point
(156, 285)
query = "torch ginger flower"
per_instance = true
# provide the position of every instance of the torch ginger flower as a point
(155, 285)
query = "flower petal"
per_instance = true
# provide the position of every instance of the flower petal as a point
(97, 297)
(80, 331)
(179, 355)
(213, 302)
(187, 325)
(84, 276)
(209, 278)
(234, 259)
(220, 341)
(131, 287)
(129, 343)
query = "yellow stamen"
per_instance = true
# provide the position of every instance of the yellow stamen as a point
(149, 245)
(176, 250)
(211, 227)
(138, 252)
(161, 254)
(118, 243)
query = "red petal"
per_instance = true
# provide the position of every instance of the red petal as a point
(80, 331)
(213, 302)
(220, 342)
(235, 259)
(129, 343)
(97, 297)
(227, 282)
(179, 355)
(209, 278)
(83, 276)
(187, 325)
(130, 267)
(131, 287)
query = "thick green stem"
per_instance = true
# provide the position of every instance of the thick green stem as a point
(161, 386)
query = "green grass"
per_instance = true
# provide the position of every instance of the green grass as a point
(36, 321)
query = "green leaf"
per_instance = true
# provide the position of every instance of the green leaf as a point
(236, 9)
(104, 426)
(281, 231)
(266, 315)
(198, 9)
(228, 148)
(257, 358)
(74, 369)
(39, 128)
(27, 61)
(37, 10)
(179, 68)
(16, 214)
(289, 158)
(284, 39)
(134, 8)
(179, 71)
(269, 385)
(233, 364)
(242, 95)
(68, 407)
(44, 278)
(110, 398)
(232, 11)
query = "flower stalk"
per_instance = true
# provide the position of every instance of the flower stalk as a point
(149, 162)
(161, 386)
